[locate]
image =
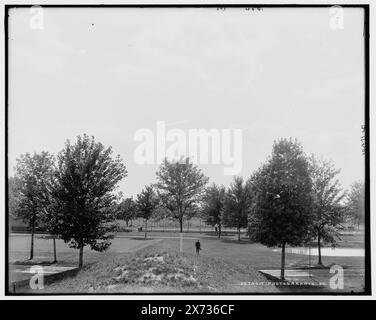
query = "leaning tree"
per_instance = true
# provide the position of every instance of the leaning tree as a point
(180, 185)
(87, 177)
(282, 210)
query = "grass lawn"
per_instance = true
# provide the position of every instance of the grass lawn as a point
(156, 265)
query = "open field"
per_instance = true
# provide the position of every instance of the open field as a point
(165, 263)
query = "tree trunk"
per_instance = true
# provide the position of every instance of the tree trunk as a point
(146, 227)
(219, 230)
(319, 247)
(54, 244)
(181, 224)
(32, 239)
(239, 233)
(81, 257)
(283, 263)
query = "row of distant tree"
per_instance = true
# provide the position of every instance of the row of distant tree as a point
(291, 199)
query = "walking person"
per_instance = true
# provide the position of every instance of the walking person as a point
(198, 247)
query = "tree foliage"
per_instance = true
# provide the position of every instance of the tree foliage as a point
(355, 203)
(212, 205)
(328, 211)
(87, 176)
(282, 214)
(180, 186)
(237, 204)
(147, 202)
(33, 173)
(14, 195)
(126, 210)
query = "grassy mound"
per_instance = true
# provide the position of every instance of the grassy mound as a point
(157, 270)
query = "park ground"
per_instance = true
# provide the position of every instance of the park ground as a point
(165, 262)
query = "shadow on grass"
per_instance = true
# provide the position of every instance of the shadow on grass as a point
(232, 241)
(223, 234)
(33, 262)
(140, 238)
(316, 266)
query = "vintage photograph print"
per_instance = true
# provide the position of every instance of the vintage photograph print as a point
(187, 150)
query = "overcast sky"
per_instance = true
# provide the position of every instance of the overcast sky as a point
(109, 72)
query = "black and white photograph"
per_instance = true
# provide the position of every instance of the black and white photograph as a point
(187, 150)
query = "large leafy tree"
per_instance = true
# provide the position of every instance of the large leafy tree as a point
(212, 205)
(328, 211)
(355, 203)
(87, 176)
(33, 171)
(282, 211)
(180, 186)
(147, 203)
(237, 205)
